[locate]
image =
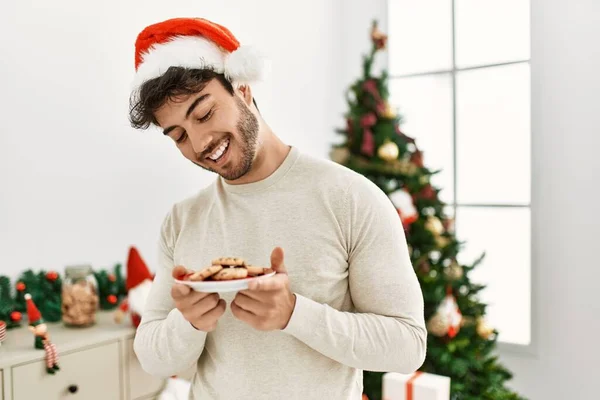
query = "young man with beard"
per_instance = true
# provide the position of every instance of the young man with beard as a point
(345, 297)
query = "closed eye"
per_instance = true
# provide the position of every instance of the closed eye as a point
(181, 138)
(206, 117)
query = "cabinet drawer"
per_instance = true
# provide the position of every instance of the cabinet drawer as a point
(141, 384)
(94, 373)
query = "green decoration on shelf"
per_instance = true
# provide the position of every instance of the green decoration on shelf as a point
(45, 289)
(8, 307)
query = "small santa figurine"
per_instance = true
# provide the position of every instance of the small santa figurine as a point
(138, 284)
(38, 326)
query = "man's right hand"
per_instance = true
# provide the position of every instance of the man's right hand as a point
(202, 310)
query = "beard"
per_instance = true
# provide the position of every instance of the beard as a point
(247, 127)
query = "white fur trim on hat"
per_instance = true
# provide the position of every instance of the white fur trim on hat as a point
(188, 51)
(243, 66)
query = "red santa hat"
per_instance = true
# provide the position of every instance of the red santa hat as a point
(137, 271)
(194, 43)
(33, 314)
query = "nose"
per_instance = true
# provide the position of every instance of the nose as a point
(200, 142)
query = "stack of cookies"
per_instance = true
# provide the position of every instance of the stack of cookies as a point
(226, 269)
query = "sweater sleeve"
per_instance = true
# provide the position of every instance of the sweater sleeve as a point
(165, 342)
(387, 330)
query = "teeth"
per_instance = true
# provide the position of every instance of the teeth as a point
(219, 152)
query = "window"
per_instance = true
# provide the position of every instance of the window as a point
(459, 76)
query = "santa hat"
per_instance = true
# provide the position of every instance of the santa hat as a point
(33, 314)
(194, 43)
(137, 271)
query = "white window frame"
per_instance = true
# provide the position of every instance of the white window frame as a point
(521, 349)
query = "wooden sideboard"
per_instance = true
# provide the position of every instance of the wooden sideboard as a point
(97, 363)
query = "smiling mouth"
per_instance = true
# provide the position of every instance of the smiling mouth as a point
(219, 152)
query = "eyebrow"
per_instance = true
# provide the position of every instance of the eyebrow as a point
(189, 111)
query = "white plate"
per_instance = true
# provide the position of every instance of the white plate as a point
(222, 286)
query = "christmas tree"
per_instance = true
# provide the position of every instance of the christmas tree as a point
(111, 287)
(460, 343)
(46, 291)
(8, 306)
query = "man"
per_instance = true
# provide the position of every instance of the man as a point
(344, 297)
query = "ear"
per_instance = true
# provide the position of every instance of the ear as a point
(246, 94)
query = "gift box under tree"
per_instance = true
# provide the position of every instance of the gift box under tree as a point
(417, 386)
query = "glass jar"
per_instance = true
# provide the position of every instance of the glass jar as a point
(79, 296)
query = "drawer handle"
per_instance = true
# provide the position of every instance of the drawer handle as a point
(73, 388)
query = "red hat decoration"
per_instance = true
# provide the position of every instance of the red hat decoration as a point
(137, 271)
(33, 314)
(194, 43)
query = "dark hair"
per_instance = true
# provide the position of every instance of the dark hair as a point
(177, 81)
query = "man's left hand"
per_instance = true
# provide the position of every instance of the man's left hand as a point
(268, 303)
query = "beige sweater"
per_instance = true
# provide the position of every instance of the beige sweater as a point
(359, 305)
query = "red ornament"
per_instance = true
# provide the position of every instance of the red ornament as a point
(417, 158)
(368, 144)
(15, 316)
(368, 120)
(112, 299)
(427, 192)
(370, 86)
(52, 276)
(112, 278)
(20, 286)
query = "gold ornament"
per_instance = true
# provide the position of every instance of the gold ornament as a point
(388, 151)
(438, 325)
(454, 271)
(339, 154)
(434, 225)
(442, 241)
(483, 329)
(389, 112)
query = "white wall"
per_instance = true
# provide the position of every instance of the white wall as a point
(77, 184)
(566, 170)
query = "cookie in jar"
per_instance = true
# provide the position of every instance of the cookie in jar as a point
(80, 298)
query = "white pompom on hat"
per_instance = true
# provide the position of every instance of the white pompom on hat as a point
(195, 43)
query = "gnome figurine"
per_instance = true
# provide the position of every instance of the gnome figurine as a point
(39, 328)
(138, 284)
